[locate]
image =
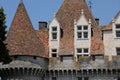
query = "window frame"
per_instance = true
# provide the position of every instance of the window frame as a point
(54, 53)
(84, 29)
(117, 29)
(54, 33)
(118, 50)
(54, 27)
(54, 36)
(82, 51)
(118, 34)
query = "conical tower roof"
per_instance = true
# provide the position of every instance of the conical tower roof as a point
(68, 12)
(22, 39)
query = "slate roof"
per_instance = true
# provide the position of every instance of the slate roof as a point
(22, 38)
(68, 12)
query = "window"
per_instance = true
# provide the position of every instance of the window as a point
(117, 26)
(61, 59)
(54, 32)
(118, 51)
(54, 35)
(85, 34)
(117, 30)
(79, 50)
(97, 57)
(34, 57)
(79, 34)
(85, 27)
(54, 52)
(83, 50)
(79, 28)
(54, 28)
(117, 33)
(15, 56)
(82, 32)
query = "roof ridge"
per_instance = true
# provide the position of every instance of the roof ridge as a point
(68, 12)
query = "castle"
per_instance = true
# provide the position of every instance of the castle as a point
(72, 47)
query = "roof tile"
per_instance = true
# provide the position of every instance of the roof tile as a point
(22, 39)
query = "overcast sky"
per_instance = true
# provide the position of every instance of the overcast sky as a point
(44, 10)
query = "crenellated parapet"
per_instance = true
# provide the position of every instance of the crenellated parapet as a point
(84, 73)
(24, 70)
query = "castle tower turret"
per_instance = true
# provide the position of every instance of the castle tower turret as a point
(29, 55)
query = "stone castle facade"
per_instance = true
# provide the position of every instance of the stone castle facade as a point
(72, 47)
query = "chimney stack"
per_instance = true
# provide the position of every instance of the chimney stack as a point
(42, 25)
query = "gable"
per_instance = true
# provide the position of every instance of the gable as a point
(82, 20)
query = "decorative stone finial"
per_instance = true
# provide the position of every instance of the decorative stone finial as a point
(89, 21)
(75, 21)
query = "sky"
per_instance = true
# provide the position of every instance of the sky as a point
(44, 10)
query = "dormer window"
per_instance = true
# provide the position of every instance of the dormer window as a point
(54, 33)
(117, 30)
(82, 32)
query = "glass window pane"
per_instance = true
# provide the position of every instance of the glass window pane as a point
(118, 51)
(79, 27)
(54, 50)
(54, 35)
(117, 33)
(117, 26)
(85, 50)
(79, 50)
(54, 55)
(85, 34)
(79, 34)
(54, 28)
(85, 27)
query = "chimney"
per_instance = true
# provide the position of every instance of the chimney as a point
(97, 20)
(42, 25)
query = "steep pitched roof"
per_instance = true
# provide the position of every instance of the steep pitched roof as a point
(22, 38)
(69, 11)
(43, 37)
